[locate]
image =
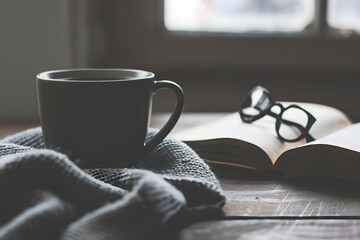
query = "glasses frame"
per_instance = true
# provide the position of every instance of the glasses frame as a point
(266, 110)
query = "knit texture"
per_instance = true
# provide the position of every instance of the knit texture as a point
(45, 195)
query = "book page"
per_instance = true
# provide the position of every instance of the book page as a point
(262, 132)
(348, 138)
(328, 119)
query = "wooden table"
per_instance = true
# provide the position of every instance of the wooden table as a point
(259, 208)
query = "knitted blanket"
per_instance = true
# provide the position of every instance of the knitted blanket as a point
(45, 195)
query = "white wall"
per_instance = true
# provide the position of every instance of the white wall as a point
(34, 37)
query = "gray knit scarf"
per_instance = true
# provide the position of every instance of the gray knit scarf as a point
(44, 195)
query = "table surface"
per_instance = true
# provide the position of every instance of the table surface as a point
(259, 208)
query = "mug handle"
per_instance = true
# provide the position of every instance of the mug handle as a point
(169, 125)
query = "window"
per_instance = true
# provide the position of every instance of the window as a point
(239, 15)
(344, 16)
(216, 65)
(263, 16)
(229, 37)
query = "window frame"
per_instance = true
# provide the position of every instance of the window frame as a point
(319, 49)
(133, 34)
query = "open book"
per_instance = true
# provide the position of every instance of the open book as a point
(256, 146)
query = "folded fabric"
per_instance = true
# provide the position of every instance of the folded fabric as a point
(45, 195)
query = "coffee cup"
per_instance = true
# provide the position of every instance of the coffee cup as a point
(101, 116)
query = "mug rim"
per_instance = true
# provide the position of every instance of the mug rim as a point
(49, 75)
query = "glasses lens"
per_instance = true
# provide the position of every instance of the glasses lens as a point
(255, 103)
(293, 123)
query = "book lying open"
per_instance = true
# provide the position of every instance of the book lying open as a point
(256, 146)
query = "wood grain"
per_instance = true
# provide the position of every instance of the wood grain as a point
(301, 197)
(273, 229)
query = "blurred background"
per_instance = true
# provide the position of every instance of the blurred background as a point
(217, 50)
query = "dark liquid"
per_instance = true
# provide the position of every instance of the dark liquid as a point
(98, 75)
(98, 79)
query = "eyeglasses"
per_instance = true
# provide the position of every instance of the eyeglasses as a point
(293, 123)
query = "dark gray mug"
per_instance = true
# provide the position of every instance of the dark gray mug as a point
(101, 116)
